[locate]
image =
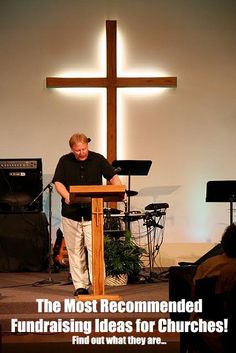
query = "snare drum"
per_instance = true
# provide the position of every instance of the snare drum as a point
(112, 219)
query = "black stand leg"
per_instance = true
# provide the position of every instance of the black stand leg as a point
(48, 281)
(128, 205)
(231, 209)
(150, 252)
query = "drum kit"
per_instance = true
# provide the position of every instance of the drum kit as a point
(128, 168)
(113, 217)
(152, 217)
(116, 222)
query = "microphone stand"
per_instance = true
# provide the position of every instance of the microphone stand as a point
(48, 281)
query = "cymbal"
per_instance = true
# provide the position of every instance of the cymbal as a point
(131, 193)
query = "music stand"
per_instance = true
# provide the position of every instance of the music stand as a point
(222, 191)
(131, 167)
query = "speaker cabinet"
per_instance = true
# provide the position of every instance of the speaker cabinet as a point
(24, 242)
(20, 184)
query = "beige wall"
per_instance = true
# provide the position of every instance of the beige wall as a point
(188, 132)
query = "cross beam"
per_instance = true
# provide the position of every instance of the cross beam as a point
(111, 82)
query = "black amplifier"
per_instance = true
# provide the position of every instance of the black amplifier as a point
(20, 184)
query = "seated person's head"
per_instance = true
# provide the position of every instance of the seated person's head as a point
(228, 240)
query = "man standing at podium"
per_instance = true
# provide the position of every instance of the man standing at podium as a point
(80, 167)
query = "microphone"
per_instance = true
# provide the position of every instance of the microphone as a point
(48, 186)
(117, 170)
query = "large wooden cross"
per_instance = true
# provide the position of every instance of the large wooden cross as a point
(111, 82)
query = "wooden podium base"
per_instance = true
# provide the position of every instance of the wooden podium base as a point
(84, 298)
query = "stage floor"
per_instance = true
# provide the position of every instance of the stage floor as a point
(18, 295)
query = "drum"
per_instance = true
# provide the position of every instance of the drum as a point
(113, 222)
(134, 216)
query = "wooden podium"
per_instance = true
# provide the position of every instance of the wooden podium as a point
(97, 194)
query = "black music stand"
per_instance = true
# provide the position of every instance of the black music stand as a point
(222, 191)
(131, 167)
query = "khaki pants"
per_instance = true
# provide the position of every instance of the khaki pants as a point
(78, 235)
